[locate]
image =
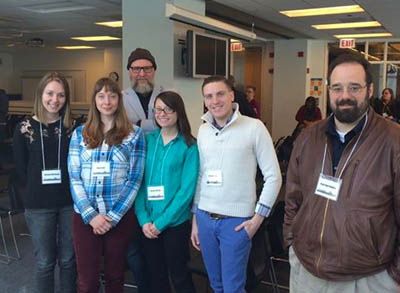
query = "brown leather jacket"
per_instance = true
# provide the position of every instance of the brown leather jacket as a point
(358, 234)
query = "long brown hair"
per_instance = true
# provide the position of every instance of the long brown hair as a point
(93, 130)
(38, 108)
(174, 101)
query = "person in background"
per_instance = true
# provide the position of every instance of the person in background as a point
(390, 107)
(164, 200)
(240, 98)
(250, 96)
(3, 126)
(40, 146)
(227, 212)
(139, 98)
(105, 163)
(308, 113)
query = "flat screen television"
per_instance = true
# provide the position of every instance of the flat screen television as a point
(206, 55)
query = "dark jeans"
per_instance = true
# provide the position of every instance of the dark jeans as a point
(136, 262)
(90, 250)
(51, 231)
(169, 252)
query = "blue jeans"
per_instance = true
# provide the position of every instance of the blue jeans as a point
(51, 231)
(225, 252)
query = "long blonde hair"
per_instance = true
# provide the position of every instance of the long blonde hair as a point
(93, 131)
(38, 108)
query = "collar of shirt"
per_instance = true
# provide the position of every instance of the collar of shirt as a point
(332, 132)
(338, 146)
(214, 122)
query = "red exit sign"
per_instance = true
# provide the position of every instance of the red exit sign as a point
(347, 43)
(236, 47)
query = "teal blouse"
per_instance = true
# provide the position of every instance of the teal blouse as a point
(175, 166)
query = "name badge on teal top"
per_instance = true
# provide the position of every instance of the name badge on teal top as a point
(101, 169)
(51, 176)
(155, 193)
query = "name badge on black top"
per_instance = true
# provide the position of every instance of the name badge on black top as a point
(51, 176)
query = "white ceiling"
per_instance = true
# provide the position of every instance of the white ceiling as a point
(18, 25)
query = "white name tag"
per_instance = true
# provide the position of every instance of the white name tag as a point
(214, 178)
(51, 176)
(328, 187)
(100, 169)
(155, 193)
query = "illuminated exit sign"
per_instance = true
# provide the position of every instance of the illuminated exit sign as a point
(237, 47)
(347, 43)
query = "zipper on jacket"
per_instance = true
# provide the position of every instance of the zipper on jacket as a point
(326, 211)
(322, 234)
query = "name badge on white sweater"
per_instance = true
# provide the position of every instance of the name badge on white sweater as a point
(214, 178)
(328, 187)
(155, 193)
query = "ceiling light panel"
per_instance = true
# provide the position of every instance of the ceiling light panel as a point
(96, 38)
(75, 47)
(346, 25)
(111, 23)
(371, 35)
(323, 11)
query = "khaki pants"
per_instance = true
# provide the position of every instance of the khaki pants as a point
(301, 281)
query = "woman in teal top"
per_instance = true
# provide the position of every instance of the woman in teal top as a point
(165, 197)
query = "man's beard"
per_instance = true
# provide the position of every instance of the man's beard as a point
(352, 114)
(142, 87)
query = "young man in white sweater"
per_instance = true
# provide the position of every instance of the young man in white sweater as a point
(226, 212)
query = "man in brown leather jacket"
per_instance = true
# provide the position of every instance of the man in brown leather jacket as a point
(342, 212)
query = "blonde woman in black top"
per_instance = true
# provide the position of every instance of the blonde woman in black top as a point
(40, 151)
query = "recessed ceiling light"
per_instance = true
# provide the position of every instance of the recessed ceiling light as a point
(323, 11)
(96, 38)
(346, 25)
(371, 35)
(75, 47)
(111, 23)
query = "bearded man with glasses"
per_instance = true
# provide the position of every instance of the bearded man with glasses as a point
(139, 98)
(343, 193)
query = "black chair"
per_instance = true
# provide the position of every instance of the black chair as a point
(8, 208)
(278, 252)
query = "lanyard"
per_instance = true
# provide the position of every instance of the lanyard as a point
(351, 152)
(163, 160)
(59, 145)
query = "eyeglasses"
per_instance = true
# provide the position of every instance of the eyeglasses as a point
(352, 89)
(166, 110)
(146, 69)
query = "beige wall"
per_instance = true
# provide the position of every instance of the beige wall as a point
(92, 65)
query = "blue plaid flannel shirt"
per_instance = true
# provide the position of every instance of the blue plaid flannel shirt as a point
(113, 195)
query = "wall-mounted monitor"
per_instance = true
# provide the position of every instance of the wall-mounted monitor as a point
(206, 55)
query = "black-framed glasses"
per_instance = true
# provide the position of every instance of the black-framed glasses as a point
(137, 69)
(353, 89)
(166, 110)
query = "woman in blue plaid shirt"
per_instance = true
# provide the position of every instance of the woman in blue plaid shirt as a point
(105, 164)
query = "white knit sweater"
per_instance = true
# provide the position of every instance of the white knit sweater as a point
(236, 149)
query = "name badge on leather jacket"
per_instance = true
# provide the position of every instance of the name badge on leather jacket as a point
(328, 187)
